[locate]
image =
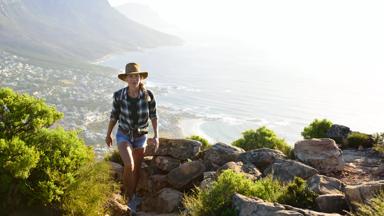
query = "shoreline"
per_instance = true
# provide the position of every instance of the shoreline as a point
(192, 126)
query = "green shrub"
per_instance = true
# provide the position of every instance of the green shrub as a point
(38, 165)
(374, 207)
(218, 197)
(203, 141)
(114, 157)
(355, 139)
(299, 195)
(378, 142)
(90, 191)
(317, 129)
(262, 138)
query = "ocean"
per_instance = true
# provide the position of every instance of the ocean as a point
(220, 89)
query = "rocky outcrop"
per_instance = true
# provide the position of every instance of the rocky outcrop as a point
(219, 154)
(185, 174)
(287, 170)
(321, 184)
(181, 149)
(261, 158)
(166, 200)
(166, 163)
(257, 207)
(331, 203)
(249, 170)
(339, 133)
(363, 192)
(322, 154)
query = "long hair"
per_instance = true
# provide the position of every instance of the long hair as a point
(144, 90)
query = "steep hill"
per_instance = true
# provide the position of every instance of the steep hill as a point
(72, 29)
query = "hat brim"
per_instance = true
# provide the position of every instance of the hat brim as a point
(123, 76)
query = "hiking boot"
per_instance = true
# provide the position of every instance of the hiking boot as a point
(133, 203)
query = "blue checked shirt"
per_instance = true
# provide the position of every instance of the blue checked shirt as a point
(133, 113)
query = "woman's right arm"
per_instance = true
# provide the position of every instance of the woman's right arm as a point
(108, 138)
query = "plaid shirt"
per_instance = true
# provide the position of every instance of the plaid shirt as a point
(122, 109)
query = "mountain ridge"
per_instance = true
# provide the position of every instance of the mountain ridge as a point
(70, 29)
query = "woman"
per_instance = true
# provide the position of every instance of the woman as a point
(132, 107)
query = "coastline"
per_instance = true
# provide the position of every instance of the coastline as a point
(192, 126)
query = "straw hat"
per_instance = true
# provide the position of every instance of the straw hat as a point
(132, 68)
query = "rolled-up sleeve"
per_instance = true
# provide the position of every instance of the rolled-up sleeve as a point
(152, 106)
(115, 108)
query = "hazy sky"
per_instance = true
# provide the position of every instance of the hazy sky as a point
(344, 35)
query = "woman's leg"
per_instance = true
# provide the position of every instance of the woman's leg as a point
(126, 154)
(138, 155)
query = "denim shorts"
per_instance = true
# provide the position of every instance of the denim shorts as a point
(138, 142)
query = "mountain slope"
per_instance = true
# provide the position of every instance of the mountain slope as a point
(72, 29)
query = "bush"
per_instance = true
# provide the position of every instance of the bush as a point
(262, 138)
(317, 129)
(114, 157)
(299, 195)
(379, 142)
(218, 197)
(203, 141)
(38, 165)
(355, 139)
(374, 207)
(91, 190)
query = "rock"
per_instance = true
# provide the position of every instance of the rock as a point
(181, 149)
(363, 192)
(116, 207)
(159, 182)
(339, 133)
(246, 206)
(219, 154)
(322, 154)
(208, 179)
(144, 185)
(185, 173)
(166, 200)
(286, 170)
(249, 170)
(261, 158)
(325, 185)
(117, 171)
(331, 203)
(166, 163)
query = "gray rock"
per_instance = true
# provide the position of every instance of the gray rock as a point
(261, 158)
(185, 173)
(322, 154)
(166, 200)
(286, 170)
(166, 163)
(159, 182)
(181, 149)
(246, 206)
(249, 170)
(363, 192)
(339, 133)
(219, 154)
(208, 179)
(331, 203)
(321, 184)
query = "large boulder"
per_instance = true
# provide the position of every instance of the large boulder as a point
(249, 170)
(185, 174)
(181, 149)
(321, 184)
(339, 133)
(219, 154)
(331, 203)
(166, 163)
(287, 170)
(159, 182)
(166, 200)
(261, 158)
(322, 154)
(363, 193)
(208, 179)
(246, 206)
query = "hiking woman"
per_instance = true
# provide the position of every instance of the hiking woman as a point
(133, 107)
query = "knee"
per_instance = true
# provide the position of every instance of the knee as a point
(129, 167)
